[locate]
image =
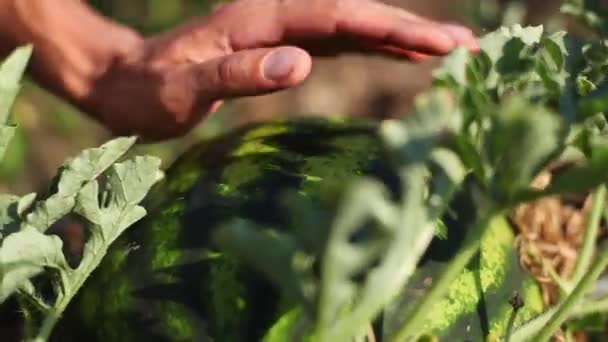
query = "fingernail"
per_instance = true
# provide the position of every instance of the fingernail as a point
(280, 63)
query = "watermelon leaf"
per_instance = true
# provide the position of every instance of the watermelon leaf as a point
(25, 250)
(582, 176)
(73, 175)
(519, 144)
(11, 72)
(25, 254)
(6, 135)
(595, 102)
(278, 255)
(9, 218)
(344, 259)
(109, 212)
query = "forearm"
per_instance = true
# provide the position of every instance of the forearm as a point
(72, 44)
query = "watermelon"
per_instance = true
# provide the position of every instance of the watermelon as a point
(165, 280)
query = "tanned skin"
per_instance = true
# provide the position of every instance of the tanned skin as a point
(162, 86)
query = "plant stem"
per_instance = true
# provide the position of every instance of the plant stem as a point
(566, 307)
(71, 283)
(443, 281)
(517, 303)
(511, 325)
(47, 326)
(523, 333)
(584, 308)
(591, 307)
(587, 281)
(591, 231)
(34, 301)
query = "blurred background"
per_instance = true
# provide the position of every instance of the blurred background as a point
(50, 130)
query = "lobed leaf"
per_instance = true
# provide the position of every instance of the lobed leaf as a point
(73, 175)
(25, 254)
(9, 217)
(279, 256)
(117, 207)
(11, 72)
(521, 141)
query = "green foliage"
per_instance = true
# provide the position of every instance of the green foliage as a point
(592, 13)
(27, 250)
(11, 71)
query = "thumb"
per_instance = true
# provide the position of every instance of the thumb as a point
(252, 72)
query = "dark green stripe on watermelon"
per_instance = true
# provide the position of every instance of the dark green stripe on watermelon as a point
(165, 281)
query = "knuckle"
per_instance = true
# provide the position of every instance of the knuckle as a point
(323, 8)
(335, 11)
(332, 9)
(225, 71)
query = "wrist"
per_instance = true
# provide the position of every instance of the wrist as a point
(73, 45)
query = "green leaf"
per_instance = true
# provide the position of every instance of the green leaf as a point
(448, 175)
(109, 214)
(130, 181)
(519, 144)
(493, 43)
(74, 174)
(412, 140)
(25, 203)
(116, 208)
(9, 217)
(25, 254)
(441, 230)
(366, 207)
(509, 50)
(11, 71)
(6, 135)
(453, 68)
(286, 328)
(555, 50)
(276, 254)
(551, 66)
(470, 156)
(374, 245)
(578, 178)
(595, 102)
(585, 86)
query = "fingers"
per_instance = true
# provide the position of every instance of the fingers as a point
(251, 72)
(321, 25)
(397, 27)
(462, 35)
(400, 54)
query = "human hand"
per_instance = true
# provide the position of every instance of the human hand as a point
(165, 84)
